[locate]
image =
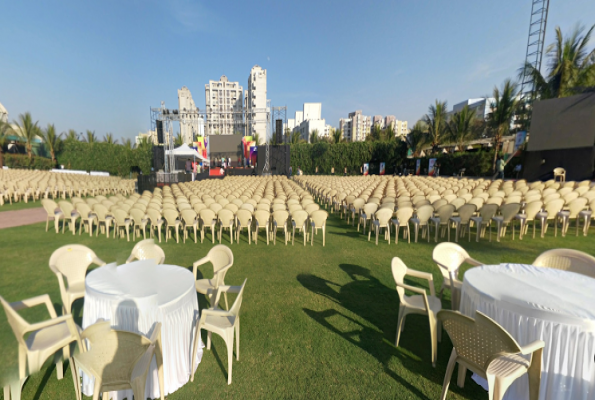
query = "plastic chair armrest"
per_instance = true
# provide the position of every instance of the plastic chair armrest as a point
(229, 289)
(423, 275)
(35, 301)
(532, 347)
(98, 261)
(130, 259)
(202, 261)
(412, 288)
(473, 261)
(215, 312)
(50, 322)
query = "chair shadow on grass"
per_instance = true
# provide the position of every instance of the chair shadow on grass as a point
(376, 307)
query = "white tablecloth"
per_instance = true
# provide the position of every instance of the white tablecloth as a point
(534, 303)
(134, 297)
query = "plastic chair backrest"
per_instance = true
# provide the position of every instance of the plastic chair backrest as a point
(531, 209)
(478, 341)
(370, 209)
(310, 208)
(576, 206)
(49, 205)
(153, 215)
(120, 216)
(299, 217)
(466, 211)
(280, 217)
(237, 304)
(220, 256)
(189, 216)
(262, 217)
(553, 207)
(72, 261)
(383, 216)
(170, 216)
(508, 211)
(319, 218)
(449, 256)
(137, 215)
(445, 212)
(404, 214)
(244, 217)
(567, 260)
(147, 249)
(225, 217)
(487, 211)
(66, 207)
(424, 213)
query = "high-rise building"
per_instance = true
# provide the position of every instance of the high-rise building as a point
(399, 127)
(309, 120)
(191, 122)
(357, 126)
(224, 107)
(256, 102)
(150, 136)
(378, 120)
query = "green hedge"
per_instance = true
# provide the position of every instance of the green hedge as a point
(113, 158)
(350, 155)
(22, 161)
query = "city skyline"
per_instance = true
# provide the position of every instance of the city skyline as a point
(102, 66)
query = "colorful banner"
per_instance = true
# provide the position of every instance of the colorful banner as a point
(431, 167)
(382, 168)
(519, 141)
(417, 166)
(200, 146)
(253, 155)
(366, 169)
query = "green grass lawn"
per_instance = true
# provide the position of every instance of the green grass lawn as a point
(317, 322)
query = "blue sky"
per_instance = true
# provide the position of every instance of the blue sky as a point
(102, 65)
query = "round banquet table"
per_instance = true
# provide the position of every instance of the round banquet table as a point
(133, 297)
(536, 303)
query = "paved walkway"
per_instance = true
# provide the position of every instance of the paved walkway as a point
(10, 219)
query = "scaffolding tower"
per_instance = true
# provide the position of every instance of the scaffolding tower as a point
(535, 42)
(279, 113)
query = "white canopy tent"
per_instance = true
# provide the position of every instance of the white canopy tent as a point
(186, 151)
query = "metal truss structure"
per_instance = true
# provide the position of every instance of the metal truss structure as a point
(535, 42)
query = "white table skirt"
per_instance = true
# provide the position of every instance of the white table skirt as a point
(534, 303)
(134, 297)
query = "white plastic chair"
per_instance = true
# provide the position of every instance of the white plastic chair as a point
(70, 264)
(485, 348)
(147, 250)
(221, 257)
(38, 341)
(224, 323)
(567, 260)
(418, 304)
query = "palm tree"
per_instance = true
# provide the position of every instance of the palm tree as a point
(178, 140)
(256, 138)
(503, 109)
(461, 127)
(72, 136)
(314, 138)
(571, 67)
(5, 130)
(127, 143)
(296, 138)
(28, 130)
(90, 138)
(109, 138)
(52, 141)
(389, 133)
(375, 134)
(436, 123)
(417, 138)
(336, 135)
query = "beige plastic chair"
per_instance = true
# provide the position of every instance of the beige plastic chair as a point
(573, 209)
(38, 341)
(421, 219)
(550, 213)
(485, 348)
(367, 212)
(139, 222)
(146, 250)
(318, 221)
(449, 257)
(69, 214)
(102, 218)
(221, 257)
(118, 360)
(531, 210)
(243, 220)
(403, 215)
(87, 217)
(567, 260)
(356, 207)
(70, 264)
(261, 220)
(560, 173)
(122, 221)
(156, 220)
(51, 208)
(442, 220)
(507, 215)
(190, 220)
(417, 304)
(382, 219)
(484, 219)
(465, 212)
(226, 221)
(207, 218)
(279, 220)
(172, 222)
(224, 323)
(299, 220)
